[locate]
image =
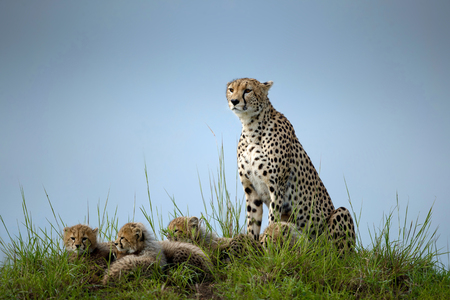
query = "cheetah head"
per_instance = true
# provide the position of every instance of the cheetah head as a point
(131, 238)
(280, 233)
(247, 97)
(184, 229)
(80, 239)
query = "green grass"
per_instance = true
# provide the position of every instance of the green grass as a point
(398, 263)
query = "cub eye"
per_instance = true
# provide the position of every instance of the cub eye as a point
(85, 238)
(73, 239)
(247, 91)
(231, 90)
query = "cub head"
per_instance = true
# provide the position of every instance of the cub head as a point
(280, 233)
(183, 229)
(247, 97)
(132, 238)
(80, 238)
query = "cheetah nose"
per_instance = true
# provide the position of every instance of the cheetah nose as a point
(78, 246)
(235, 101)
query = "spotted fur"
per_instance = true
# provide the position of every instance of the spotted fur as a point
(184, 253)
(280, 234)
(189, 229)
(137, 248)
(276, 171)
(81, 243)
(80, 239)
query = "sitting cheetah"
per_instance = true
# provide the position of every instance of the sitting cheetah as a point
(280, 233)
(275, 170)
(136, 248)
(81, 242)
(190, 230)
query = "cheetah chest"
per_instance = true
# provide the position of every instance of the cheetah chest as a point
(252, 164)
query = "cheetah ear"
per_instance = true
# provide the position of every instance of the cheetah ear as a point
(266, 86)
(95, 231)
(137, 232)
(193, 222)
(66, 229)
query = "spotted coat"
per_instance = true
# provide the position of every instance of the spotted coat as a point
(275, 170)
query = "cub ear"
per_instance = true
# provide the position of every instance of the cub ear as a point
(193, 222)
(95, 231)
(66, 229)
(137, 232)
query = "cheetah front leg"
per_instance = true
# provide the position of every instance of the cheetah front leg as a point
(254, 210)
(277, 205)
(341, 230)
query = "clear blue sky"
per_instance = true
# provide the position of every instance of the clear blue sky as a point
(91, 90)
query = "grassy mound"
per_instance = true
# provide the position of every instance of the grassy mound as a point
(37, 266)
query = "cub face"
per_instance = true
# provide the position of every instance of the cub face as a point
(80, 238)
(183, 229)
(131, 238)
(247, 97)
(280, 233)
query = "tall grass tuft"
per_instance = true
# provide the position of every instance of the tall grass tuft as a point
(222, 208)
(39, 242)
(154, 217)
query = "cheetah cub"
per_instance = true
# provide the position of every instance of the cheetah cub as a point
(275, 170)
(136, 248)
(179, 252)
(81, 240)
(281, 234)
(190, 230)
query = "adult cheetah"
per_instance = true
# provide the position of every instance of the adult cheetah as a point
(275, 170)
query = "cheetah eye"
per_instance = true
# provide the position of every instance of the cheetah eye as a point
(231, 90)
(84, 239)
(247, 91)
(73, 239)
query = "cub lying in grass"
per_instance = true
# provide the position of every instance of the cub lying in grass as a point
(189, 229)
(81, 242)
(135, 239)
(280, 234)
(136, 247)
